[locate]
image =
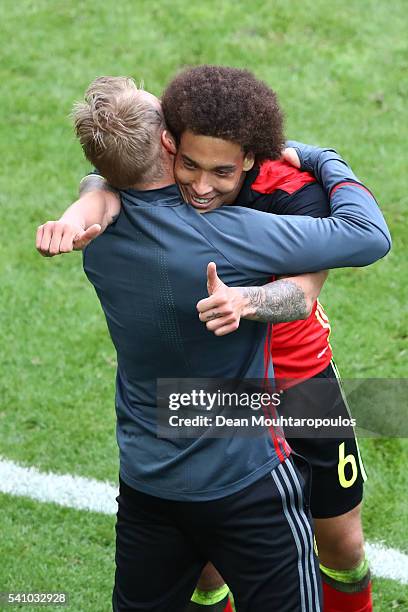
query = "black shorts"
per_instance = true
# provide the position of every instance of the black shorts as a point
(260, 540)
(338, 473)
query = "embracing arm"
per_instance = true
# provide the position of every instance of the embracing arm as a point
(98, 202)
(350, 200)
(286, 299)
(354, 235)
(97, 207)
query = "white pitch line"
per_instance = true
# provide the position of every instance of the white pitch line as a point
(62, 489)
(96, 496)
(387, 562)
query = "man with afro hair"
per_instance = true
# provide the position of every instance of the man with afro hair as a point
(226, 103)
(217, 108)
(203, 106)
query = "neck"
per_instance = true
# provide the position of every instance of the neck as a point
(161, 175)
(155, 184)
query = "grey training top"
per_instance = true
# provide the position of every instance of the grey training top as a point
(149, 271)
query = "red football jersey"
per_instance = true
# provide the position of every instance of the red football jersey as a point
(300, 349)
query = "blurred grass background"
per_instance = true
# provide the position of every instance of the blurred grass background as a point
(340, 72)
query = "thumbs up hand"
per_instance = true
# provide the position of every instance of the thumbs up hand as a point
(222, 310)
(213, 281)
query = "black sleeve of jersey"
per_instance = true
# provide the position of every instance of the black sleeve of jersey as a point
(311, 201)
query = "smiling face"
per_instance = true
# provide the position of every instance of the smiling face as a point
(210, 171)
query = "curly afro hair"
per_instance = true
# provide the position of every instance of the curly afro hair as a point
(227, 103)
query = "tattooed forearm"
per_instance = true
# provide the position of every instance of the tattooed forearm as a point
(277, 302)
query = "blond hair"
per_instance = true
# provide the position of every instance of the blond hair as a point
(119, 130)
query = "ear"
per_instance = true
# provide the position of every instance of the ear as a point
(168, 142)
(249, 161)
